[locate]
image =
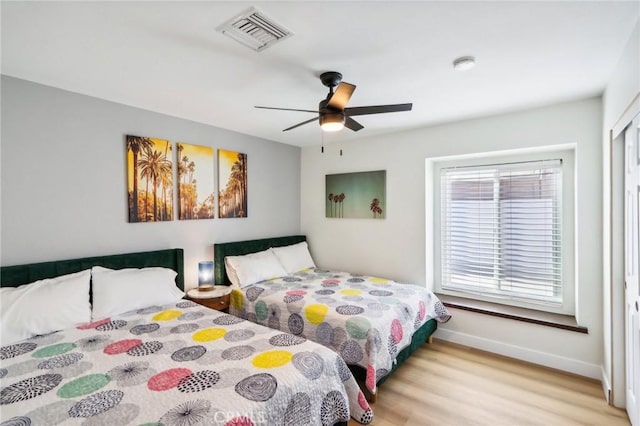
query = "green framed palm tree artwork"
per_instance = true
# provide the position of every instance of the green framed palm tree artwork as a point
(232, 181)
(356, 195)
(149, 179)
(195, 182)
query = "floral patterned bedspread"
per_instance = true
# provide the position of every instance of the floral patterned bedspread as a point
(367, 320)
(175, 365)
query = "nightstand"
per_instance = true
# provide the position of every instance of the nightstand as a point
(217, 299)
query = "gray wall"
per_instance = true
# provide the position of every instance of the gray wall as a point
(64, 180)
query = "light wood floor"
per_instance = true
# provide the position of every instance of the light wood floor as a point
(447, 384)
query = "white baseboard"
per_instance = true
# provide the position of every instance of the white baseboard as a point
(524, 354)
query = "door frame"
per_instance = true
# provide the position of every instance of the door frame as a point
(616, 250)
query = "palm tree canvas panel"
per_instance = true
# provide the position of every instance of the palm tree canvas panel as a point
(356, 195)
(195, 182)
(149, 179)
(232, 181)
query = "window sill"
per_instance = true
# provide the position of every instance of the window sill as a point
(565, 322)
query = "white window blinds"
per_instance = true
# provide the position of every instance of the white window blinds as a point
(501, 231)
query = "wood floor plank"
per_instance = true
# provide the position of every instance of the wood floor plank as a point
(448, 384)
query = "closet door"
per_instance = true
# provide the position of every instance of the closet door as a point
(632, 263)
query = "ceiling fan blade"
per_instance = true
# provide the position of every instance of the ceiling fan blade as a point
(377, 109)
(352, 124)
(301, 124)
(341, 96)
(287, 109)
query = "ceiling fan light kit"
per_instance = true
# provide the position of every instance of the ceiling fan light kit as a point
(332, 112)
(332, 122)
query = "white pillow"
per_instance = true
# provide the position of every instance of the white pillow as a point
(44, 306)
(116, 291)
(254, 267)
(295, 257)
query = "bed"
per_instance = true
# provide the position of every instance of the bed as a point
(174, 364)
(373, 323)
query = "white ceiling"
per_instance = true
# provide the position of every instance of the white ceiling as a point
(168, 57)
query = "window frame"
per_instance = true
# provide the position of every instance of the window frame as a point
(567, 226)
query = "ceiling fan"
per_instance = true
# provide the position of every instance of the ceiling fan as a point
(332, 114)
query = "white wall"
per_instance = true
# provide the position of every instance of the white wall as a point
(64, 181)
(395, 247)
(622, 89)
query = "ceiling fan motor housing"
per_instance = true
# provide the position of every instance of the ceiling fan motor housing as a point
(328, 114)
(332, 117)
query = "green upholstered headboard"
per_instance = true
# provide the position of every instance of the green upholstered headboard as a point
(239, 248)
(13, 276)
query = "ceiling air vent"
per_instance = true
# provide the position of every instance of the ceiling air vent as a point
(254, 29)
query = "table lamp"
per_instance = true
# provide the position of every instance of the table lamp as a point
(205, 276)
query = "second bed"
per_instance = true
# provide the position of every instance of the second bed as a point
(373, 323)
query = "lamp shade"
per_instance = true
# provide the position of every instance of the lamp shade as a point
(205, 273)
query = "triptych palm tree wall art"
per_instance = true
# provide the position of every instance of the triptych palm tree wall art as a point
(195, 182)
(149, 179)
(232, 181)
(356, 195)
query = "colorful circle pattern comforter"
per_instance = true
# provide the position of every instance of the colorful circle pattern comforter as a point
(367, 320)
(175, 365)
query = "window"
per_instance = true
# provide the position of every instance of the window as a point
(502, 233)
